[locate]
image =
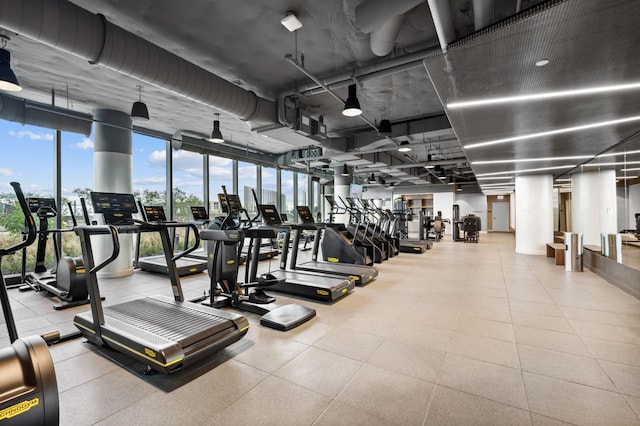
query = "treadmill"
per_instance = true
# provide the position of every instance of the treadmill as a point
(360, 274)
(306, 284)
(165, 333)
(186, 265)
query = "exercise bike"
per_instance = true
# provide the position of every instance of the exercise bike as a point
(67, 281)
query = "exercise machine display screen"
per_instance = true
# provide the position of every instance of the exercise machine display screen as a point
(36, 203)
(110, 202)
(199, 213)
(305, 215)
(270, 214)
(155, 214)
(234, 202)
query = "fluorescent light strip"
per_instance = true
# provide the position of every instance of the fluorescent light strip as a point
(495, 178)
(635, 169)
(626, 177)
(619, 163)
(525, 160)
(541, 96)
(553, 132)
(499, 185)
(526, 171)
(563, 180)
(614, 154)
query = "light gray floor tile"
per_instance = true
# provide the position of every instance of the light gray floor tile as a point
(562, 342)
(428, 337)
(80, 369)
(309, 332)
(561, 365)
(495, 382)
(340, 414)
(488, 313)
(592, 315)
(372, 324)
(634, 403)
(485, 349)
(539, 420)
(613, 351)
(450, 406)
(269, 353)
(320, 371)
(350, 343)
(575, 403)
(535, 308)
(545, 322)
(486, 328)
(372, 388)
(621, 334)
(275, 402)
(625, 377)
(97, 399)
(410, 359)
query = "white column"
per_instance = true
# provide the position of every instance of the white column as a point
(594, 205)
(112, 172)
(534, 213)
(341, 188)
(443, 202)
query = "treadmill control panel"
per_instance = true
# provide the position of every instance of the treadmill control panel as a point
(234, 201)
(116, 208)
(270, 214)
(199, 213)
(36, 203)
(155, 214)
(305, 215)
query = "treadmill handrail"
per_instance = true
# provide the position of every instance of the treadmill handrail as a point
(30, 223)
(111, 230)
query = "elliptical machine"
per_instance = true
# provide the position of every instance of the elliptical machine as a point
(67, 281)
(224, 250)
(28, 389)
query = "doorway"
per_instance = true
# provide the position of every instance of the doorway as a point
(500, 216)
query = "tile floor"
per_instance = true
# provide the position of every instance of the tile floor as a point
(463, 334)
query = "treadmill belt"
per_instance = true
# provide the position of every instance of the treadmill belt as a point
(169, 320)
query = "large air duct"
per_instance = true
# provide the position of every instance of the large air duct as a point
(65, 26)
(42, 115)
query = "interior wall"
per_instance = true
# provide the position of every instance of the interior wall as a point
(634, 204)
(443, 202)
(628, 205)
(473, 204)
(384, 195)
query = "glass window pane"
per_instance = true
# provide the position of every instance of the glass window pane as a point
(303, 199)
(269, 186)
(247, 176)
(187, 184)
(286, 200)
(27, 158)
(220, 173)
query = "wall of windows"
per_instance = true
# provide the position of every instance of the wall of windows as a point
(188, 186)
(269, 186)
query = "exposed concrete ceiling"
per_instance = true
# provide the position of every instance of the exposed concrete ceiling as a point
(244, 44)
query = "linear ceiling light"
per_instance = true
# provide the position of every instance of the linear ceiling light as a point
(526, 160)
(497, 177)
(291, 22)
(8, 79)
(635, 169)
(614, 154)
(618, 163)
(352, 105)
(626, 177)
(553, 132)
(567, 166)
(542, 96)
(216, 135)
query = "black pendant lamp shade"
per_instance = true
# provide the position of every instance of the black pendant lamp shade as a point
(216, 135)
(404, 146)
(372, 178)
(385, 128)
(139, 110)
(8, 79)
(352, 105)
(345, 170)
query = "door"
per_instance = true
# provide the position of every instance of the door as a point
(501, 216)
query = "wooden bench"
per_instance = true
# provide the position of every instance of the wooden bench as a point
(556, 250)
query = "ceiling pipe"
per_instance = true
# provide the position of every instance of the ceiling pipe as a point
(483, 13)
(372, 14)
(65, 26)
(382, 39)
(441, 14)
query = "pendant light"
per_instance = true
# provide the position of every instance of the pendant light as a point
(216, 135)
(8, 79)
(385, 128)
(372, 178)
(139, 111)
(352, 105)
(404, 147)
(345, 170)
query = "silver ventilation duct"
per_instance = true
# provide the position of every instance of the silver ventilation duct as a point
(65, 26)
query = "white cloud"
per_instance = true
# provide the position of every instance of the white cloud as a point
(220, 172)
(6, 172)
(157, 158)
(31, 135)
(219, 162)
(153, 180)
(85, 144)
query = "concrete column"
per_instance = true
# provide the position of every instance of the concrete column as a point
(594, 205)
(443, 202)
(112, 172)
(341, 188)
(534, 213)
